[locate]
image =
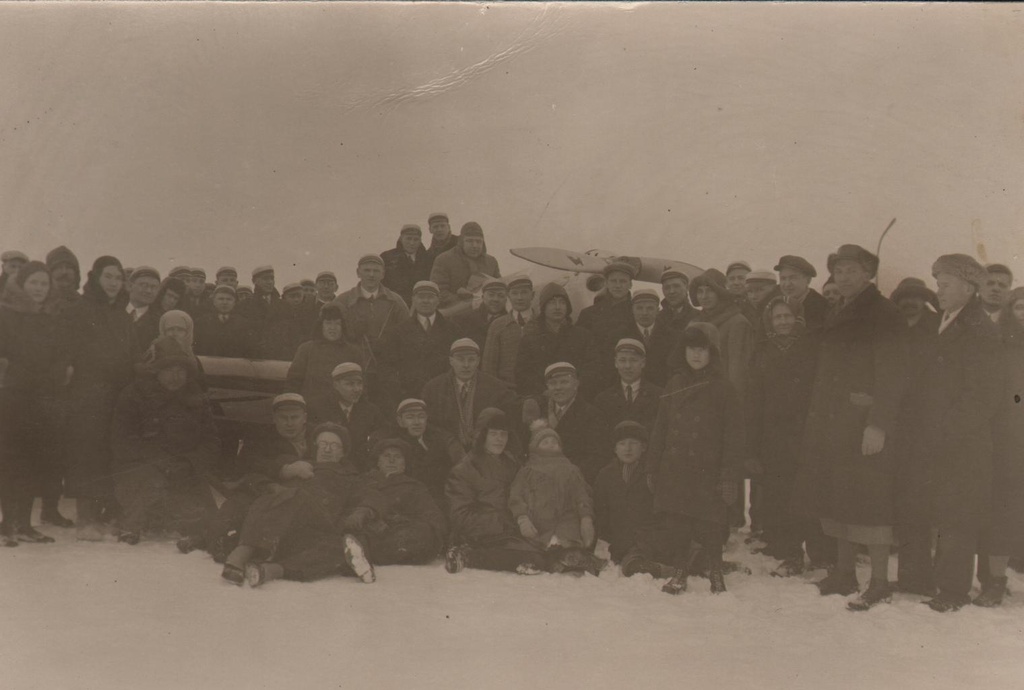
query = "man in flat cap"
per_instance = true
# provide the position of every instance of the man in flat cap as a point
(193, 302)
(456, 397)
(658, 339)
(406, 264)
(369, 311)
(441, 236)
(946, 482)
(504, 333)
(996, 290)
(612, 310)
(476, 322)
(417, 349)
(350, 407)
(308, 290)
(762, 288)
(453, 269)
(12, 260)
(433, 451)
(142, 289)
(632, 397)
(289, 323)
(264, 296)
(326, 288)
(846, 477)
(795, 273)
(580, 425)
(222, 332)
(227, 275)
(676, 310)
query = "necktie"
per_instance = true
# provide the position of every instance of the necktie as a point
(223, 318)
(463, 395)
(647, 334)
(629, 395)
(519, 319)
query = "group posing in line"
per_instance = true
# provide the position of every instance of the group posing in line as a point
(511, 436)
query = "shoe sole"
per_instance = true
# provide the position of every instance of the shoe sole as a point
(357, 560)
(253, 575)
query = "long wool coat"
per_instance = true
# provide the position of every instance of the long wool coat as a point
(951, 406)
(502, 348)
(541, 347)
(697, 444)
(441, 396)
(1007, 525)
(860, 381)
(453, 269)
(411, 356)
(477, 491)
(551, 491)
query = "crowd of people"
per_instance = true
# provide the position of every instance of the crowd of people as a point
(436, 409)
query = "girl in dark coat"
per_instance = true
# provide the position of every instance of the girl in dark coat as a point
(101, 338)
(694, 460)
(36, 371)
(551, 338)
(622, 500)
(846, 478)
(778, 397)
(165, 446)
(310, 372)
(1005, 537)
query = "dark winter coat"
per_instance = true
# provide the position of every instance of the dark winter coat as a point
(474, 324)
(551, 491)
(860, 381)
(951, 405)
(265, 452)
(676, 319)
(433, 455)
(584, 433)
(477, 491)
(287, 326)
(621, 507)
(777, 402)
(541, 347)
(605, 317)
(441, 396)
(407, 500)
(737, 337)
(436, 248)
(402, 273)
(410, 356)
(310, 371)
(697, 444)
(644, 408)
(258, 308)
(1007, 524)
(813, 309)
(364, 419)
(235, 337)
(147, 328)
(453, 269)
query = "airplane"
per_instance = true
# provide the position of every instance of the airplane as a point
(241, 390)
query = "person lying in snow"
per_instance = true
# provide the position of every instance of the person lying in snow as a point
(307, 529)
(622, 500)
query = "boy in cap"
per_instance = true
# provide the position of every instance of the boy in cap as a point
(264, 296)
(632, 397)
(580, 426)
(326, 288)
(142, 290)
(952, 402)
(244, 293)
(350, 408)
(308, 290)
(736, 279)
(795, 273)
(441, 237)
(622, 500)
(504, 332)
(659, 340)
(676, 310)
(456, 397)
(433, 451)
(453, 269)
(761, 289)
(475, 323)
(417, 349)
(996, 290)
(12, 260)
(223, 333)
(406, 264)
(227, 275)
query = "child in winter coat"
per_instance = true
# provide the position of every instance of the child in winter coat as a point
(623, 502)
(551, 503)
(694, 462)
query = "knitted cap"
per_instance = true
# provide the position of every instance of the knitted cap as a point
(541, 434)
(472, 229)
(961, 266)
(630, 429)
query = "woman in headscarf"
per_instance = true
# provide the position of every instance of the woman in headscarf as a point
(36, 370)
(178, 325)
(778, 398)
(101, 337)
(1005, 537)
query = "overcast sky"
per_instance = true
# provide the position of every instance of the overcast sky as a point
(306, 135)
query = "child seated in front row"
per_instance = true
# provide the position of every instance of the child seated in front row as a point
(551, 503)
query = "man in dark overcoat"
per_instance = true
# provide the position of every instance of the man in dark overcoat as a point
(406, 264)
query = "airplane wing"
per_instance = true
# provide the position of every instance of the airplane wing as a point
(648, 269)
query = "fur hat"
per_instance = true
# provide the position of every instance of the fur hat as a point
(700, 334)
(913, 287)
(382, 445)
(712, 278)
(961, 266)
(63, 255)
(540, 431)
(471, 229)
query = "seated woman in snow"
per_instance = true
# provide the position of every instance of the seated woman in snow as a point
(552, 506)
(484, 534)
(412, 528)
(306, 529)
(622, 500)
(164, 445)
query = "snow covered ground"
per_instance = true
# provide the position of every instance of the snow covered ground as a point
(110, 616)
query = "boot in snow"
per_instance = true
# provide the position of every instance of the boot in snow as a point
(876, 593)
(356, 558)
(834, 583)
(528, 569)
(717, 579)
(190, 544)
(947, 603)
(677, 585)
(52, 516)
(257, 574)
(789, 568)
(7, 535)
(992, 593)
(27, 533)
(455, 559)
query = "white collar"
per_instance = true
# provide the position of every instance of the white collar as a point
(426, 320)
(131, 309)
(635, 386)
(369, 295)
(948, 318)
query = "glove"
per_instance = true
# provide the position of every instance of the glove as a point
(358, 519)
(729, 492)
(300, 469)
(526, 527)
(587, 530)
